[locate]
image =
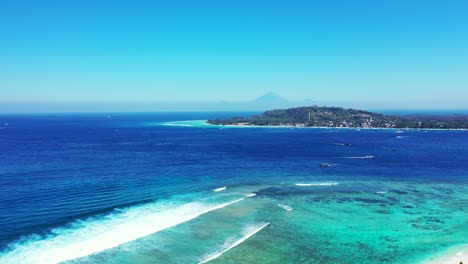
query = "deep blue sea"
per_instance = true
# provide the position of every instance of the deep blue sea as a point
(67, 179)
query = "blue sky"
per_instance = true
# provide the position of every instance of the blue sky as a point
(397, 54)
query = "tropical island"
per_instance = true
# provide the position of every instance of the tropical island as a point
(336, 117)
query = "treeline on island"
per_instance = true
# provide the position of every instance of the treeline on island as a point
(315, 116)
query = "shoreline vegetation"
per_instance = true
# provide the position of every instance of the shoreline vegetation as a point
(337, 117)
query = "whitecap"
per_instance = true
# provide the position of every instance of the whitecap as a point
(285, 207)
(230, 243)
(94, 235)
(317, 184)
(219, 189)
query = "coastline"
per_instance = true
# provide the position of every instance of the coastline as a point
(453, 255)
(322, 127)
(205, 124)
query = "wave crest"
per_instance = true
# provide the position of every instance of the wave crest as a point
(230, 243)
(84, 238)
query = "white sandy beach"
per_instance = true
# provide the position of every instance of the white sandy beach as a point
(326, 127)
(455, 255)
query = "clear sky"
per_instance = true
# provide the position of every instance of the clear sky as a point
(403, 53)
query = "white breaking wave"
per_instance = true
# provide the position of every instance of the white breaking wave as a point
(251, 195)
(285, 207)
(317, 184)
(231, 243)
(84, 238)
(220, 189)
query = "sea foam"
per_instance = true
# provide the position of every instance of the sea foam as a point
(84, 238)
(285, 207)
(317, 184)
(232, 242)
(220, 189)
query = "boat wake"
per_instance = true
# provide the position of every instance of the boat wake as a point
(359, 157)
(94, 235)
(232, 242)
(343, 144)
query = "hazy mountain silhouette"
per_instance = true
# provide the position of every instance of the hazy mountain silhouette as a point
(267, 101)
(270, 98)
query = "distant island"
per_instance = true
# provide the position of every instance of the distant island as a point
(336, 117)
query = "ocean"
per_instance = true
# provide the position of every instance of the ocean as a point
(163, 188)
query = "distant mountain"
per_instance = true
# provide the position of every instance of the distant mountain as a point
(270, 98)
(267, 101)
(262, 103)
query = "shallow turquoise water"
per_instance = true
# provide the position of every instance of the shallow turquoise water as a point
(352, 222)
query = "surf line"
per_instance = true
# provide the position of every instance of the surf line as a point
(317, 184)
(31, 252)
(247, 234)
